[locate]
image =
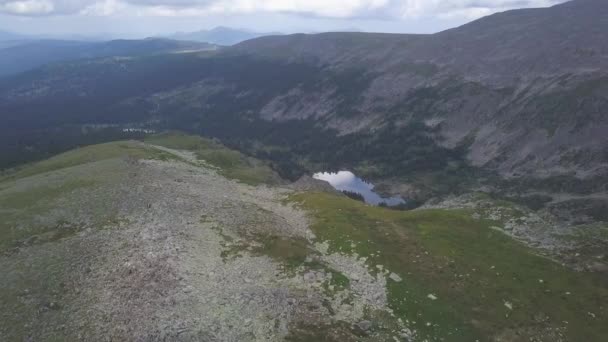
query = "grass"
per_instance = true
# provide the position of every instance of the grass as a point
(19, 225)
(231, 164)
(474, 272)
(88, 154)
(45, 193)
(43, 204)
(25, 202)
(296, 254)
(28, 287)
(337, 331)
(292, 252)
(36, 286)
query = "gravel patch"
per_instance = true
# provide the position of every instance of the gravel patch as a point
(151, 261)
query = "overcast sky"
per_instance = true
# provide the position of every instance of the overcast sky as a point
(137, 18)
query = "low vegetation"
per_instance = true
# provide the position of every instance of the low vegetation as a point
(462, 280)
(451, 275)
(88, 154)
(230, 163)
(36, 200)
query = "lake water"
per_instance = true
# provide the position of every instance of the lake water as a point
(347, 181)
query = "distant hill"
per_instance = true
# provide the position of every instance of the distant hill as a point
(8, 39)
(221, 36)
(6, 35)
(26, 55)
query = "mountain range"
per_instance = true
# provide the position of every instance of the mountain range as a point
(24, 55)
(6, 35)
(161, 190)
(515, 100)
(221, 35)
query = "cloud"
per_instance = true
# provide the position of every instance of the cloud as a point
(317, 8)
(43, 7)
(104, 8)
(382, 9)
(465, 8)
(27, 7)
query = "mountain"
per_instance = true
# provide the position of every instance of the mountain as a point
(220, 35)
(178, 238)
(495, 133)
(8, 39)
(512, 103)
(7, 35)
(545, 67)
(31, 54)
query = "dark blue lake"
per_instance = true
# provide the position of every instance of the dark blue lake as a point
(347, 181)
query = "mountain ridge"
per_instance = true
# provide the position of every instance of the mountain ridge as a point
(153, 196)
(30, 54)
(502, 107)
(221, 35)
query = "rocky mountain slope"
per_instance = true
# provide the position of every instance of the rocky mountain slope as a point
(526, 88)
(515, 101)
(178, 238)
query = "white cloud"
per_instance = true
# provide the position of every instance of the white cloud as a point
(381, 9)
(328, 8)
(27, 7)
(466, 8)
(104, 8)
(318, 8)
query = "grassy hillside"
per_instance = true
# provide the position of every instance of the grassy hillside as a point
(461, 279)
(51, 212)
(70, 222)
(59, 214)
(87, 155)
(34, 189)
(230, 163)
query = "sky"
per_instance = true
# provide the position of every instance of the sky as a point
(141, 18)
